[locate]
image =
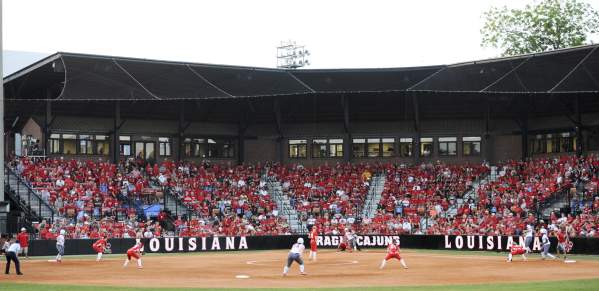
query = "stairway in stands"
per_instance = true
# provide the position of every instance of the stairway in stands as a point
(29, 197)
(470, 194)
(374, 195)
(275, 189)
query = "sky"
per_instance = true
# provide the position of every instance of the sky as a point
(338, 33)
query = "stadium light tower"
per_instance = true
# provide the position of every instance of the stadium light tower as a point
(292, 56)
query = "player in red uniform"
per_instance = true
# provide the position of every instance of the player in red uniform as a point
(563, 242)
(99, 246)
(516, 249)
(313, 248)
(342, 244)
(134, 252)
(393, 253)
(23, 238)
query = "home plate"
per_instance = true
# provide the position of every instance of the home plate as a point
(242, 276)
(569, 261)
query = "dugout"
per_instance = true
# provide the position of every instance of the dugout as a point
(91, 106)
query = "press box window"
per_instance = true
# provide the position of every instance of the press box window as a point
(359, 147)
(102, 145)
(55, 143)
(405, 147)
(319, 148)
(448, 146)
(164, 144)
(327, 148)
(85, 145)
(69, 143)
(471, 145)
(388, 147)
(336, 148)
(125, 145)
(298, 148)
(426, 146)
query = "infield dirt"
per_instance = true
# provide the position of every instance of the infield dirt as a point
(333, 269)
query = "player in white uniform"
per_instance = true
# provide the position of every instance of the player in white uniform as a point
(60, 245)
(545, 245)
(528, 238)
(295, 255)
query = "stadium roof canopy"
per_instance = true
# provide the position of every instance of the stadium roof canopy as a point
(79, 77)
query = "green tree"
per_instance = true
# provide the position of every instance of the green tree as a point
(544, 25)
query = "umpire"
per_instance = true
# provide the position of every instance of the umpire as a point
(12, 255)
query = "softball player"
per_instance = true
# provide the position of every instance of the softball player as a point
(60, 245)
(295, 255)
(528, 238)
(393, 253)
(516, 249)
(563, 242)
(545, 244)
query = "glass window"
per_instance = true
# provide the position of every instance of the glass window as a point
(298, 148)
(336, 148)
(102, 145)
(374, 147)
(228, 149)
(54, 143)
(149, 151)
(405, 147)
(85, 145)
(567, 142)
(359, 147)
(125, 145)
(388, 147)
(69, 144)
(164, 146)
(426, 146)
(319, 148)
(448, 146)
(139, 150)
(471, 145)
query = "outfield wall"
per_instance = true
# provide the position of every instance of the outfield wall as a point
(210, 244)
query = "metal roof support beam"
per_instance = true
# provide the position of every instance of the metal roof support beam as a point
(578, 128)
(116, 145)
(348, 154)
(279, 128)
(244, 123)
(487, 135)
(417, 128)
(47, 124)
(524, 127)
(180, 131)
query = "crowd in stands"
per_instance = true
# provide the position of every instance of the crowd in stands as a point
(95, 197)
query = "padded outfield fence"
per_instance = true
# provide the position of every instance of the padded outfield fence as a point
(207, 244)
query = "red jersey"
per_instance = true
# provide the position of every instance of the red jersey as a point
(393, 249)
(313, 235)
(517, 250)
(135, 249)
(100, 244)
(23, 238)
(561, 237)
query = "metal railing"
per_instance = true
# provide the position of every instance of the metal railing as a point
(14, 182)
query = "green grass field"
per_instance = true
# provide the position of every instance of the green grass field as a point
(592, 284)
(532, 286)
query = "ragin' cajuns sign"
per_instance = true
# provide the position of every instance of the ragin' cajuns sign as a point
(486, 242)
(362, 240)
(195, 244)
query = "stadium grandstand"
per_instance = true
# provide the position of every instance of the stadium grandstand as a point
(102, 144)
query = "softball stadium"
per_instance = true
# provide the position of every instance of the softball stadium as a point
(137, 174)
